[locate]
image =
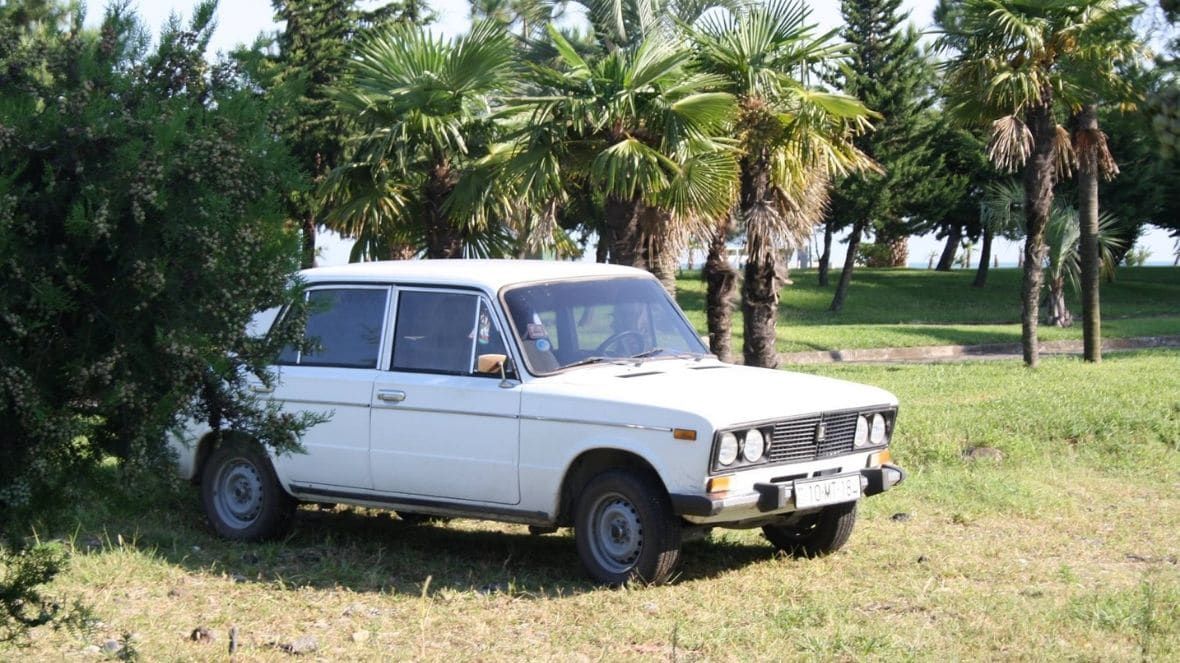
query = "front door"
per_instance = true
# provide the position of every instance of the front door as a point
(441, 429)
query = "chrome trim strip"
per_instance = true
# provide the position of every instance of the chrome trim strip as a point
(561, 420)
(319, 402)
(398, 407)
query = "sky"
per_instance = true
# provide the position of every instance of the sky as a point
(241, 21)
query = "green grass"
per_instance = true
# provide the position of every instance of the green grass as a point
(908, 308)
(1065, 549)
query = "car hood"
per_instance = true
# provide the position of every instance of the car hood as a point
(662, 392)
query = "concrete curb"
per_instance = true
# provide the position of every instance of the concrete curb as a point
(936, 353)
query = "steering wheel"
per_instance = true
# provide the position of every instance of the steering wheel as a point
(619, 339)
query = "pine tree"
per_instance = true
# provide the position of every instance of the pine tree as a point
(313, 51)
(887, 71)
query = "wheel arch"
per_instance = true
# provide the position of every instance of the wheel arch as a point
(591, 463)
(210, 441)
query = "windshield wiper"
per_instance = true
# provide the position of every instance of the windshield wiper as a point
(647, 353)
(585, 362)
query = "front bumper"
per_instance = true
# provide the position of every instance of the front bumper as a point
(771, 497)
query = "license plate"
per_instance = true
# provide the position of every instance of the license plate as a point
(821, 492)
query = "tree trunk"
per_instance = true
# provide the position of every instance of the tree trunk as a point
(849, 263)
(761, 283)
(899, 252)
(825, 259)
(308, 260)
(720, 283)
(1088, 249)
(662, 250)
(1058, 311)
(954, 235)
(625, 234)
(1038, 198)
(443, 240)
(760, 310)
(985, 259)
(602, 248)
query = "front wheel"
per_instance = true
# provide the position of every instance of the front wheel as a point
(625, 529)
(242, 496)
(815, 535)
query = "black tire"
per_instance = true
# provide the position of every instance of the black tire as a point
(625, 529)
(817, 534)
(242, 496)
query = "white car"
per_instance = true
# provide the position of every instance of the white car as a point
(552, 394)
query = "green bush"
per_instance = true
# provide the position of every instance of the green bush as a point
(140, 228)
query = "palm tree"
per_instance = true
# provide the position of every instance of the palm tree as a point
(421, 112)
(1002, 213)
(1016, 61)
(639, 130)
(1063, 237)
(1094, 161)
(794, 139)
(999, 214)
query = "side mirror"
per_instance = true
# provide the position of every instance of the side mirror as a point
(491, 364)
(495, 364)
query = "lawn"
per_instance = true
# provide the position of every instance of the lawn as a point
(908, 307)
(1064, 549)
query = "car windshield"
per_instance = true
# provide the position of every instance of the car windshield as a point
(562, 324)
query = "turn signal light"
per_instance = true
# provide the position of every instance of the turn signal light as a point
(687, 434)
(717, 485)
(880, 458)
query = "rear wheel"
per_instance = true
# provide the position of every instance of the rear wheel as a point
(241, 494)
(815, 535)
(625, 529)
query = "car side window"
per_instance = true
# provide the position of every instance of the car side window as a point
(343, 329)
(443, 332)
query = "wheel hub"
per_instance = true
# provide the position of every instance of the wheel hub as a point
(618, 533)
(238, 498)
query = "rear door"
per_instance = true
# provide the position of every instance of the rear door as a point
(345, 334)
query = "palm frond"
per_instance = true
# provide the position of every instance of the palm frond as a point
(1010, 145)
(1064, 158)
(1093, 153)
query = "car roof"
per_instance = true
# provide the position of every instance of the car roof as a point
(491, 275)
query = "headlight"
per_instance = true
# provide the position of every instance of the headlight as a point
(862, 431)
(877, 434)
(754, 447)
(727, 451)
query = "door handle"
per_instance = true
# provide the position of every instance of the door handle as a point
(261, 388)
(392, 396)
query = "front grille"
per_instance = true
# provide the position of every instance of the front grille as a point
(795, 440)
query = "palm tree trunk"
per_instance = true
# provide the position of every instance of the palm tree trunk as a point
(1059, 314)
(308, 259)
(442, 238)
(1038, 198)
(761, 283)
(1088, 249)
(825, 259)
(720, 283)
(899, 251)
(985, 259)
(760, 310)
(663, 249)
(954, 235)
(626, 238)
(849, 263)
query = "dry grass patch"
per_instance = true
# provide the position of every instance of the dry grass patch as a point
(1064, 549)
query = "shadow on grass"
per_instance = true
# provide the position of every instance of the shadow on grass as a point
(370, 551)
